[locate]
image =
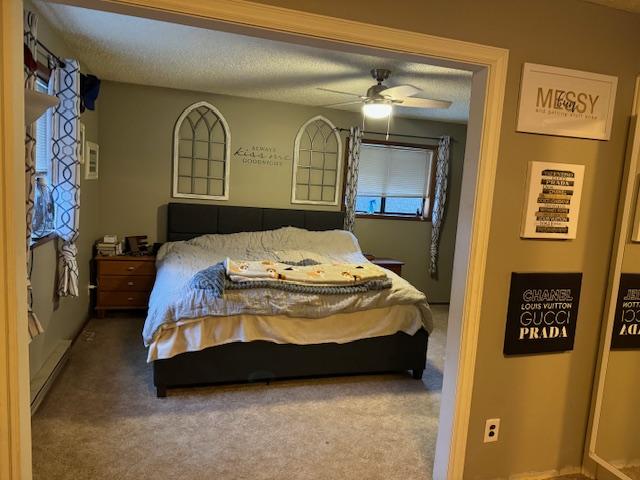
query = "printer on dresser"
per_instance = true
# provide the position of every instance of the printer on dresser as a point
(123, 282)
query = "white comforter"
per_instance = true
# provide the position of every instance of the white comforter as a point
(171, 300)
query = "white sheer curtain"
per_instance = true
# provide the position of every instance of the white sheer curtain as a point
(30, 39)
(439, 201)
(351, 185)
(65, 84)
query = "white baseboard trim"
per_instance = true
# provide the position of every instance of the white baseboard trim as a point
(547, 475)
(625, 463)
(42, 381)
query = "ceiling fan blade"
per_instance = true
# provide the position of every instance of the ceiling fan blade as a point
(352, 102)
(422, 103)
(338, 91)
(400, 91)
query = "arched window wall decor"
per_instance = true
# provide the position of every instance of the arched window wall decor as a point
(201, 154)
(317, 163)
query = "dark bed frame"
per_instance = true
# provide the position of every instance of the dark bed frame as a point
(261, 360)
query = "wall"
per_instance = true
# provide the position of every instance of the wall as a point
(543, 400)
(136, 137)
(62, 319)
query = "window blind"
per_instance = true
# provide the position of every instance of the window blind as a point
(42, 157)
(394, 171)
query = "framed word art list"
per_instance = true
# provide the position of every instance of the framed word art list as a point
(569, 103)
(542, 313)
(552, 206)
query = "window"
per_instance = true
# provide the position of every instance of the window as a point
(43, 159)
(201, 151)
(42, 223)
(317, 163)
(395, 179)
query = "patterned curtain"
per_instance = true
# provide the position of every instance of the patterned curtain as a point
(31, 51)
(65, 84)
(351, 185)
(439, 201)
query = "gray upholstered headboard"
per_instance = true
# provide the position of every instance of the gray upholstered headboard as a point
(189, 220)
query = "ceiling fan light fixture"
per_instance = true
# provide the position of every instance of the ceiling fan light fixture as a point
(376, 110)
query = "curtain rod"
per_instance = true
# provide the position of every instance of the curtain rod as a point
(44, 47)
(393, 134)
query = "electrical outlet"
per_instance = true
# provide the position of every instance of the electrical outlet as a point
(491, 430)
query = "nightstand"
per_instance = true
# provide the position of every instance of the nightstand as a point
(124, 282)
(389, 263)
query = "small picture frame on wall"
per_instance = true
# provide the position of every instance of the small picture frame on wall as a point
(81, 142)
(552, 205)
(92, 153)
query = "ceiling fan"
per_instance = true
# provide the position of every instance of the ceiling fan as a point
(379, 99)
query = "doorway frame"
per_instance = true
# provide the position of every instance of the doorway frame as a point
(489, 65)
(15, 416)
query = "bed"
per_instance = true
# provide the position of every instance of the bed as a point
(194, 340)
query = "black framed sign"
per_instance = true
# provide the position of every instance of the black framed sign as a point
(542, 312)
(626, 325)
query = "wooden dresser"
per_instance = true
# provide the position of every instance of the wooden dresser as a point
(389, 263)
(124, 282)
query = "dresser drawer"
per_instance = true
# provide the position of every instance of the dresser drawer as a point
(126, 267)
(126, 283)
(123, 299)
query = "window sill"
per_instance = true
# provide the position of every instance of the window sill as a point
(42, 240)
(379, 216)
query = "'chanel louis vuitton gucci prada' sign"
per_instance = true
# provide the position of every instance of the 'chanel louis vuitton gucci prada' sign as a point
(542, 314)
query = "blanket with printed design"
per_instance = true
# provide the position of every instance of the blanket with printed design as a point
(334, 273)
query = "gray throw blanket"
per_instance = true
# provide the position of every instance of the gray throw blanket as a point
(215, 280)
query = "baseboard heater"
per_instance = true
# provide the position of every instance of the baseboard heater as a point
(42, 381)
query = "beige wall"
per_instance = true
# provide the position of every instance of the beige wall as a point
(136, 132)
(62, 320)
(543, 400)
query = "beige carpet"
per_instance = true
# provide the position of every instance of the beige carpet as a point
(102, 420)
(632, 472)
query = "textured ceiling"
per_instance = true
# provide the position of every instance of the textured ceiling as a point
(628, 5)
(149, 52)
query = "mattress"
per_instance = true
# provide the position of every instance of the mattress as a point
(195, 334)
(184, 317)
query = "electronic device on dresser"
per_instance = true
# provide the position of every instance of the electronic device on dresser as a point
(123, 282)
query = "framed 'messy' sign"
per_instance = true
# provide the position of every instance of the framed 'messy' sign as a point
(569, 103)
(542, 313)
(626, 325)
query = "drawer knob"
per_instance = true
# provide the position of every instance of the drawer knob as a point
(130, 299)
(130, 268)
(131, 284)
